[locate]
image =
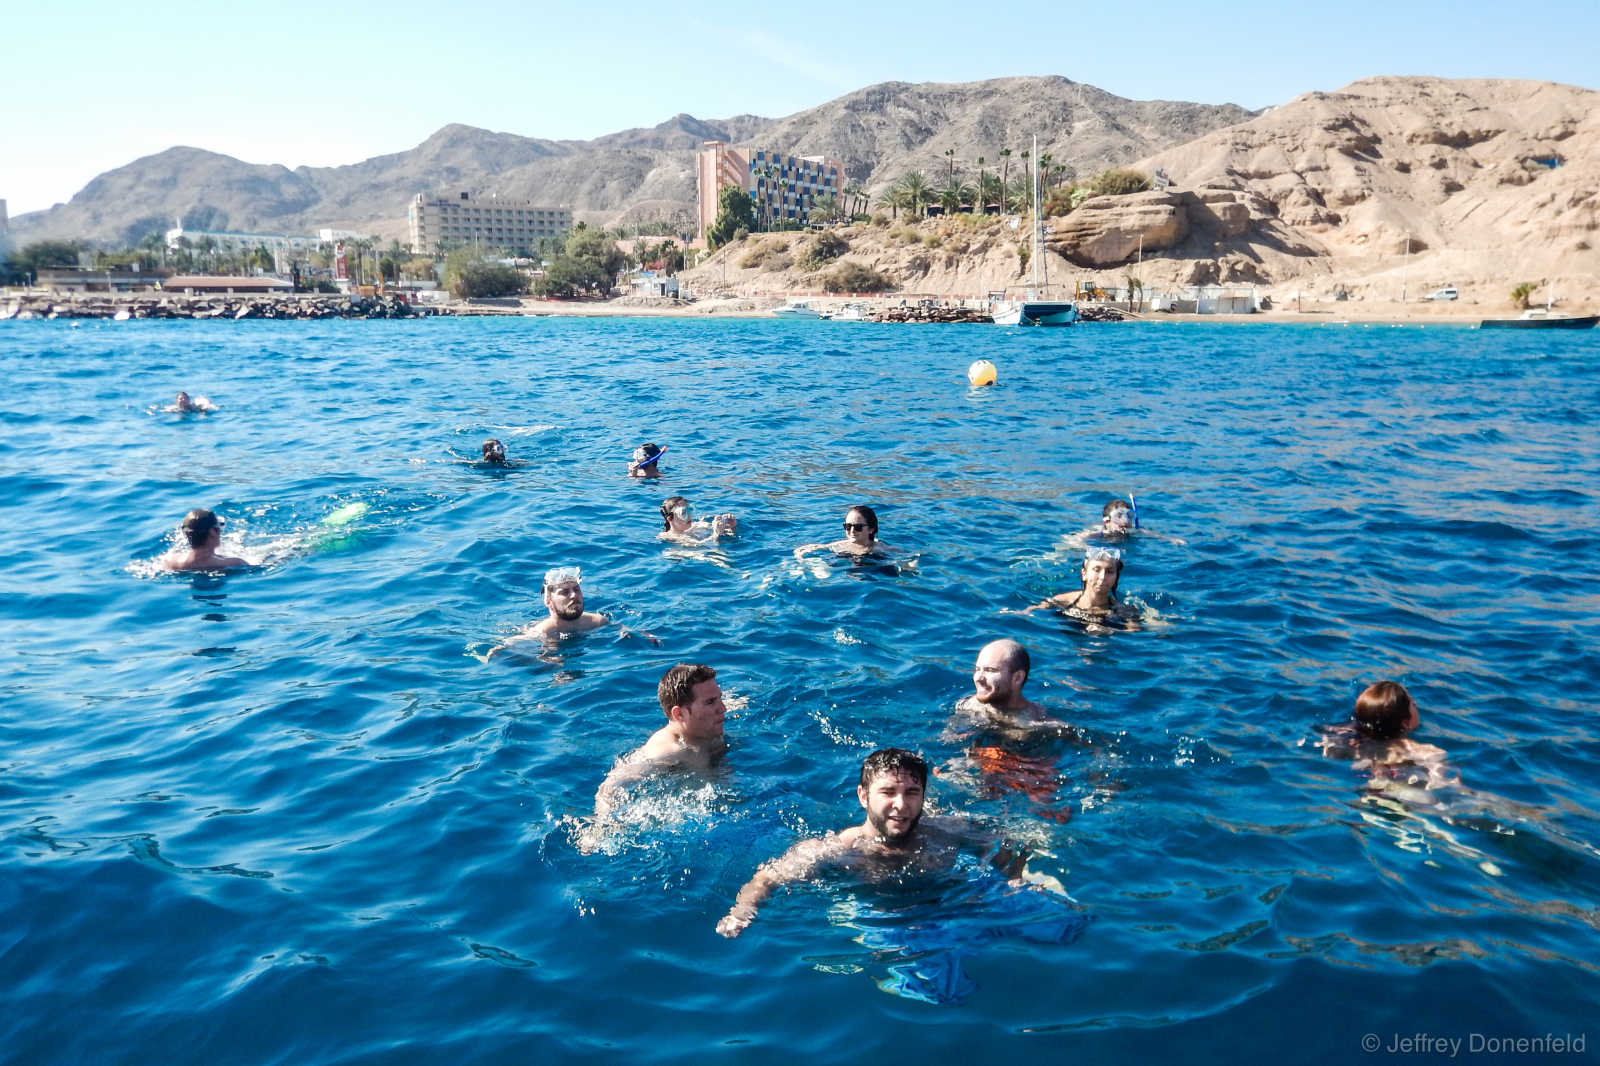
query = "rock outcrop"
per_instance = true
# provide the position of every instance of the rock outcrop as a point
(1107, 230)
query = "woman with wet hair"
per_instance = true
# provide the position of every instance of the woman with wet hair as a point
(678, 523)
(1096, 601)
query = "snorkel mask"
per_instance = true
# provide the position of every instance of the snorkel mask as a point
(562, 575)
(1112, 555)
(642, 459)
(683, 512)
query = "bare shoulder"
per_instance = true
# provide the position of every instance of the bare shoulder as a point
(594, 620)
(661, 748)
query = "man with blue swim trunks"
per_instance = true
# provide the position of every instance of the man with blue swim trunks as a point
(895, 839)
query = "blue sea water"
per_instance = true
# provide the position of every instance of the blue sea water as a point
(292, 815)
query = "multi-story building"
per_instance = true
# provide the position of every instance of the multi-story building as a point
(518, 226)
(784, 187)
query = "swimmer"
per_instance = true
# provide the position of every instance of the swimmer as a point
(494, 452)
(1376, 739)
(1096, 601)
(860, 536)
(646, 461)
(895, 839)
(997, 701)
(183, 405)
(678, 523)
(691, 741)
(204, 532)
(563, 597)
(1118, 516)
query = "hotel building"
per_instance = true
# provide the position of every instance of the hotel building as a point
(783, 186)
(514, 225)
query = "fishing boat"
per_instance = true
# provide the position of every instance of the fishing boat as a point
(850, 313)
(797, 309)
(1036, 308)
(1541, 318)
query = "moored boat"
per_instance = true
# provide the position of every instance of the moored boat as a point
(797, 309)
(1035, 309)
(1541, 318)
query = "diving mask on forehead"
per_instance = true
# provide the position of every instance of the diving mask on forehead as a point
(684, 512)
(1111, 555)
(561, 575)
(644, 459)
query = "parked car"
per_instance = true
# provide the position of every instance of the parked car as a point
(1443, 294)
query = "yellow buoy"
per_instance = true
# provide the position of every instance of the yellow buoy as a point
(982, 373)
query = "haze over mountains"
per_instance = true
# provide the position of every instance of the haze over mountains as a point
(635, 175)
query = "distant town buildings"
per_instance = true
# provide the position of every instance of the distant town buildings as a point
(783, 186)
(285, 249)
(517, 226)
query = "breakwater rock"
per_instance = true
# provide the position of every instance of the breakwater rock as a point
(932, 314)
(122, 307)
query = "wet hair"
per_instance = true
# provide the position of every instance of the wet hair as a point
(676, 688)
(668, 505)
(1383, 711)
(1016, 657)
(491, 445)
(1115, 505)
(650, 450)
(198, 524)
(866, 513)
(893, 761)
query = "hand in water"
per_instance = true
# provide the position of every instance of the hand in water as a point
(736, 921)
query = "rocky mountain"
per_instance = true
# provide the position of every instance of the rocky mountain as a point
(1495, 181)
(878, 133)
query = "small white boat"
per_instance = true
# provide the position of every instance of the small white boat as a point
(850, 313)
(797, 309)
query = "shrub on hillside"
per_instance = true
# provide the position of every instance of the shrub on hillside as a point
(855, 277)
(1118, 181)
(825, 249)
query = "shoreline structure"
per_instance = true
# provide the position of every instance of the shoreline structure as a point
(38, 305)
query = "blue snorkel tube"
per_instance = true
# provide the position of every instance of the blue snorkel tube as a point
(1133, 503)
(642, 463)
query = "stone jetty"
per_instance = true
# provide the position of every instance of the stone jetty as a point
(125, 306)
(923, 313)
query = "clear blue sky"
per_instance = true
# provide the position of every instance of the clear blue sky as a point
(94, 85)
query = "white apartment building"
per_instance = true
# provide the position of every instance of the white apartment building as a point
(517, 226)
(285, 249)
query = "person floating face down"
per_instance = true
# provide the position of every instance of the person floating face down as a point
(646, 461)
(860, 536)
(691, 741)
(1377, 740)
(203, 531)
(1004, 728)
(679, 523)
(494, 452)
(894, 838)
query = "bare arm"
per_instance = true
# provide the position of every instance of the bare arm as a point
(610, 793)
(796, 864)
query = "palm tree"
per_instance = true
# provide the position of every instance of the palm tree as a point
(1018, 189)
(950, 154)
(1005, 168)
(989, 188)
(918, 193)
(893, 197)
(982, 188)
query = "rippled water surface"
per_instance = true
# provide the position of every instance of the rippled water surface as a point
(292, 815)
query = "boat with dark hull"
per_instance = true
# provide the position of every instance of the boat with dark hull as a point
(1541, 318)
(1035, 308)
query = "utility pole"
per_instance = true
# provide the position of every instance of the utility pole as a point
(1405, 270)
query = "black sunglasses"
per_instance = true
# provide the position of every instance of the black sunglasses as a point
(851, 527)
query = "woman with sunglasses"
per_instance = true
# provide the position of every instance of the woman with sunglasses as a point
(860, 536)
(1096, 602)
(678, 523)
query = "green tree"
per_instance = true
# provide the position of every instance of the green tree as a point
(569, 276)
(918, 193)
(470, 273)
(735, 210)
(1520, 294)
(1005, 170)
(26, 262)
(585, 243)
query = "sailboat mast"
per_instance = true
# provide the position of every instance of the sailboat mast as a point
(1038, 225)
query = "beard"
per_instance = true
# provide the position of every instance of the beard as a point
(569, 614)
(995, 696)
(881, 826)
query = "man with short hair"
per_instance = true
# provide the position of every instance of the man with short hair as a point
(203, 529)
(894, 839)
(563, 597)
(692, 740)
(1011, 737)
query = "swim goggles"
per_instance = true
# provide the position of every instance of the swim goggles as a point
(640, 458)
(1121, 516)
(1109, 554)
(684, 512)
(562, 575)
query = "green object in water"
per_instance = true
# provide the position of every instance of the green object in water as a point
(346, 514)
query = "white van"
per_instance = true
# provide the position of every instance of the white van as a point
(1443, 294)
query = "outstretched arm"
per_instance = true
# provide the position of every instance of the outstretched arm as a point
(806, 549)
(796, 864)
